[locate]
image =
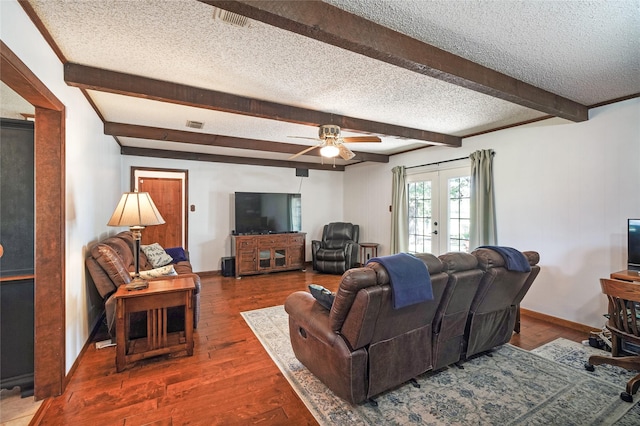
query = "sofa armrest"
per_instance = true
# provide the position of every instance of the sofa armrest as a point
(310, 315)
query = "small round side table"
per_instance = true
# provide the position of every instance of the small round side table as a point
(364, 249)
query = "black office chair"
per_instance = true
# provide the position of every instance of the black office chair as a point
(338, 250)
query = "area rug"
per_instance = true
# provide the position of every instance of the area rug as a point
(512, 387)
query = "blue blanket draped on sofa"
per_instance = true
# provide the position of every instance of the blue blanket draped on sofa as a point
(409, 279)
(514, 259)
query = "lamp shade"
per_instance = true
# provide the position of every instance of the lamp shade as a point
(136, 209)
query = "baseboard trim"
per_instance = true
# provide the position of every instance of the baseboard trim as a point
(97, 322)
(558, 321)
(40, 412)
(205, 274)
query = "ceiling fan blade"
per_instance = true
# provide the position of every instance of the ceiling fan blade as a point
(303, 137)
(345, 152)
(304, 151)
(353, 139)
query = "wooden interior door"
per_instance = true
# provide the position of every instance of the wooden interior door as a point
(167, 195)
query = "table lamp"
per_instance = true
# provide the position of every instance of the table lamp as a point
(136, 210)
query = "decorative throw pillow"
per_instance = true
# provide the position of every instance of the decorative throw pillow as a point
(112, 264)
(157, 272)
(177, 253)
(322, 295)
(156, 255)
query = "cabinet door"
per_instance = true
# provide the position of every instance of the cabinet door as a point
(296, 251)
(264, 258)
(246, 262)
(296, 257)
(246, 256)
(279, 258)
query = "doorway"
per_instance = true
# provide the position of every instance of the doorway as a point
(168, 189)
(439, 211)
(50, 213)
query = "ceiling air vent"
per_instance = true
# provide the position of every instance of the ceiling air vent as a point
(230, 17)
(195, 124)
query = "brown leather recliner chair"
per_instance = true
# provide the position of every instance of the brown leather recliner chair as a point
(363, 346)
(110, 263)
(338, 250)
(451, 319)
(494, 310)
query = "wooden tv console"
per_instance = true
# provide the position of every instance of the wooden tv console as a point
(261, 254)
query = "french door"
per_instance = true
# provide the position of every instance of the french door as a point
(439, 211)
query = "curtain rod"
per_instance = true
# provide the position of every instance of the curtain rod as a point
(441, 162)
(437, 162)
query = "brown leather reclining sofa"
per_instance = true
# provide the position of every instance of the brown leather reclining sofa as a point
(362, 346)
(110, 264)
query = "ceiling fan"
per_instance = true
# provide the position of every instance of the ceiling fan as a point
(332, 144)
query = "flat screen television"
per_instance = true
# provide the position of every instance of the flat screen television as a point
(633, 245)
(267, 213)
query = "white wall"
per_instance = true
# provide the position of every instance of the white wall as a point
(211, 188)
(92, 172)
(562, 189)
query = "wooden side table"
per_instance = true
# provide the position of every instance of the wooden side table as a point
(364, 249)
(155, 300)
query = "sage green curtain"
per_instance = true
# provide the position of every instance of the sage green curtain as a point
(399, 211)
(483, 230)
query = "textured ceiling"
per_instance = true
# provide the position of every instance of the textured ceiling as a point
(586, 51)
(12, 105)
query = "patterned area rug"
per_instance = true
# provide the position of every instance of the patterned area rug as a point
(512, 387)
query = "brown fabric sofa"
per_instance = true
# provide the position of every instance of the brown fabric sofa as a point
(362, 346)
(112, 260)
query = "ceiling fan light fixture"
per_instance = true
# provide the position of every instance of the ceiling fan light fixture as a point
(329, 151)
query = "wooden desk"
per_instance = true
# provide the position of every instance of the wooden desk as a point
(626, 275)
(364, 248)
(155, 300)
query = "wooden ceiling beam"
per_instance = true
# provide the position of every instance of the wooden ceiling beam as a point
(329, 24)
(16, 75)
(161, 134)
(91, 78)
(213, 158)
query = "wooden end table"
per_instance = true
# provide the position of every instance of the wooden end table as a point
(367, 247)
(154, 300)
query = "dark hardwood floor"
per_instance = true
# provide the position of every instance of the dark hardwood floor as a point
(230, 379)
